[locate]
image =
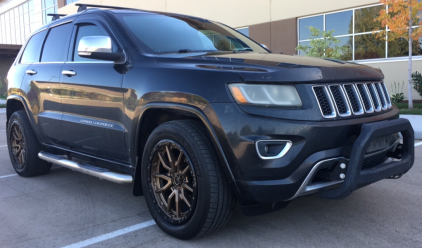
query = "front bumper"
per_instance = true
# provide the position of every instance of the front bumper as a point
(270, 191)
(356, 177)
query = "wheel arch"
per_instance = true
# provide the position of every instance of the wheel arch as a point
(178, 112)
(15, 103)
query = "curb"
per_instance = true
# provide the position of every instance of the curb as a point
(416, 121)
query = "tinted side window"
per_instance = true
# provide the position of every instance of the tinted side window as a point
(87, 30)
(30, 54)
(56, 46)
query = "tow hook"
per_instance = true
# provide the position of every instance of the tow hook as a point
(395, 176)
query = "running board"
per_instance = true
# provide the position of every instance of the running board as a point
(101, 173)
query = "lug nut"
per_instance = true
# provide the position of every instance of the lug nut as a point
(343, 166)
(342, 176)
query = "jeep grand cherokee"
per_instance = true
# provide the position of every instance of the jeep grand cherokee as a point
(197, 116)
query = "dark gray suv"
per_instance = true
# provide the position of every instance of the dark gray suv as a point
(197, 116)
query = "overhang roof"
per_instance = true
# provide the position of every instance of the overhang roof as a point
(9, 49)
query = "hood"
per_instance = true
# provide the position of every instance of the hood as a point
(260, 67)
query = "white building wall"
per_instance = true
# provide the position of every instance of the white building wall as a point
(18, 19)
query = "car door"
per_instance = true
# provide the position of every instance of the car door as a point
(92, 97)
(42, 82)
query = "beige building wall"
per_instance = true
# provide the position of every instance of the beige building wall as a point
(397, 72)
(235, 13)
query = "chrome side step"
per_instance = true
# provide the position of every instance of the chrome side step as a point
(101, 173)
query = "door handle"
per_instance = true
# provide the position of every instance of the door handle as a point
(69, 73)
(31, 72)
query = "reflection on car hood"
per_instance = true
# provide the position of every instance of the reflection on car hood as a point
(275, 67)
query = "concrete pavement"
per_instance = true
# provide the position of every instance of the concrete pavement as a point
(66, 208)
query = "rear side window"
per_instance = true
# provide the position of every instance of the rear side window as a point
(30, 55)
(56, 45)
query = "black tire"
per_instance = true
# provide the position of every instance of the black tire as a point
(214, 204)
(28, 164)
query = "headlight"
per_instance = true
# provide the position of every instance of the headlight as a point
(268, 95)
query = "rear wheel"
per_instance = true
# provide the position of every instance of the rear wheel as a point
(24, 147)
(185, 189)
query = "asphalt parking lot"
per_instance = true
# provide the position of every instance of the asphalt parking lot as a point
(66, 208)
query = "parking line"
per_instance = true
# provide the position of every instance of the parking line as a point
(111, 235)
(418, 144)
(3, 146)
(11, 175)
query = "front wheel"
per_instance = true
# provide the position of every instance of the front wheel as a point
(185, 189)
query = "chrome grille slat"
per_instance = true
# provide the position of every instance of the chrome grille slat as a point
(324, 101)
(353, 98)
(340, 100)
(365, 98)
(381, 95)
(387, 96)
(375, 98)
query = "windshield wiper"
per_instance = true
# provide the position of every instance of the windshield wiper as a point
(243, 50)
(184, 51)
(191, 51)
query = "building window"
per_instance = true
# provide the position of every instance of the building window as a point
(354, 30)
(244, 31)
(15, 24)
(70, 1)
(48, 7)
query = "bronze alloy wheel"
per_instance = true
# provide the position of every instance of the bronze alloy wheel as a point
(173, 181)
(17, 142)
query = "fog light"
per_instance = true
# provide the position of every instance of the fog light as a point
(272, 149)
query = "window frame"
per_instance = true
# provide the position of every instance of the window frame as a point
(100, 24)
(353, 35)
(55, 25)
(38, 56)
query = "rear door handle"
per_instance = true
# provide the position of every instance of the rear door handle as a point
(31, 72)
(69, 73)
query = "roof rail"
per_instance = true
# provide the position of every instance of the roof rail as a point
(56, 16)
(83, 6)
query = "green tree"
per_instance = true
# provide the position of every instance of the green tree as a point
(322, 44)
(399, 19)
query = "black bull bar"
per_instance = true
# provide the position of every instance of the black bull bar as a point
(356, 177)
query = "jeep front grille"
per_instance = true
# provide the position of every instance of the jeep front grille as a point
(347, 99)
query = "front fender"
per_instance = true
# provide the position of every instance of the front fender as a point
(211, 126)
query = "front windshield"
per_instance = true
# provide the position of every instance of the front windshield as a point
(161, 33)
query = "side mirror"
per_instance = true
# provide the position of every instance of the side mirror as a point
(98, 47)
(264, 46)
